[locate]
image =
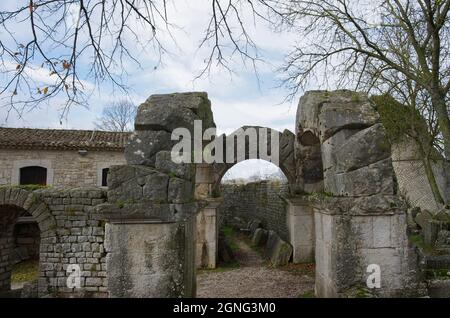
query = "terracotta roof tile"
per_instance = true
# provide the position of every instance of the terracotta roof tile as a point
(28, 138)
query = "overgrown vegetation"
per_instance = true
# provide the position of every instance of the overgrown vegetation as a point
(28, 187)
(25, 271)
(308, 294)
(417, 240)
(406, 123)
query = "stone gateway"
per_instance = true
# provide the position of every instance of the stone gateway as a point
(145, 234)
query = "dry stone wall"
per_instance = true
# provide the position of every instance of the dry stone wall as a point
(256, 201)
(71, 233)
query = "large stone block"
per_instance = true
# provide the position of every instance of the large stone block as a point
(142, 146)
(180, 190)
(373, 179)
(260, 237)
(336, 116)
(150, 260)
(331, 146)
(170, 111)
(377, 205)
(287, 154)
(311, 104)
(301, 230)
(135, 183)
(164, 163)
(347, 150)
(278, 251)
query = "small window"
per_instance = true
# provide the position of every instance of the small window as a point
(105, 177)
(33, 175)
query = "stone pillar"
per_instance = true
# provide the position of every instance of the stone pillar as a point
(207, 231)
(354, 234)
(150, 234)
(300, 220)
(151, 258)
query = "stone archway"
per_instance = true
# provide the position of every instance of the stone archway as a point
(14, 202)
(284, 159)
(208, 178)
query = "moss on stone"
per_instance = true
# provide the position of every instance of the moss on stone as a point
(399, 119)
(28, 187)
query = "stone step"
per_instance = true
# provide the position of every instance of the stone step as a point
(439, 288)
(437, 262)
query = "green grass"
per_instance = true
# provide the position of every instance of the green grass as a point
(308, 294)
(230, 234)
(29, 187)
(417, 240)
(25, 271)
(438, 273)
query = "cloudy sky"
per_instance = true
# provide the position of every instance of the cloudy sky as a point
(237, 99)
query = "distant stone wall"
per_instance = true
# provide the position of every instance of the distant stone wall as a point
(412, 180)
(257, 200)
(65, 168)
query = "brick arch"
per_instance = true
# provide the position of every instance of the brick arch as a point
(14, 202)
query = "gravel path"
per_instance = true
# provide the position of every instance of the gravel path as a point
(252, 279)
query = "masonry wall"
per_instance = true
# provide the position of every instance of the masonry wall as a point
(257, 200)
(412, 180)
(72, 233)
(64, 168)
(80, 236)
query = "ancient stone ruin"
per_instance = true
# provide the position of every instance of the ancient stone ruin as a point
(158, 220)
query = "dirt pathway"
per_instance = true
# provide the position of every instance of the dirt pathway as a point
(255, 279)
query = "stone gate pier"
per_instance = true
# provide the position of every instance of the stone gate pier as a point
(359, 217)
(301, 230)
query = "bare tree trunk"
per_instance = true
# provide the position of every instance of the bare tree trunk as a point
(439, 105)
(431, 177)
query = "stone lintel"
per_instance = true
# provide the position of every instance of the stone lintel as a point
(147, 212)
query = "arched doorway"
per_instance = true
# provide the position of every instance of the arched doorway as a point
(25, 223)
(253, 237)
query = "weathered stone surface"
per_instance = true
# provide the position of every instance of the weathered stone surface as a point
(150, 260)
(312, 102)
(359, 149)
(439, 288)
(260, 237)
(333, 144)
(443, 238)
(163, 212)
(336, 116)
(373, 179)
(30, 290)
(422, 218)
(309, 168)
(142, 146)
(130, 184)
(180, 190)
(164, 163)
(377, 205)
(170, 111)
(278, 251)
(431, 231)
(253, 225)
(287, 154)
